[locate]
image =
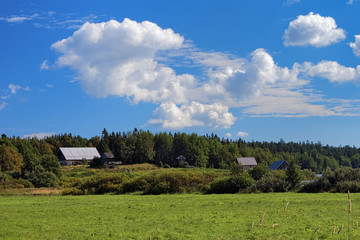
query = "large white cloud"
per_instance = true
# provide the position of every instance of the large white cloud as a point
(115, 58)
(133, 60)
(314, 30)
(356, 45)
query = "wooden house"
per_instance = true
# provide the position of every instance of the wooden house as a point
(181, 160)
(109, 159)
(247, 162)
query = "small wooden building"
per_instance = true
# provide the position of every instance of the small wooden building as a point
(77, 156)
(108, 156)
(110, 160)
(181, 160)
(278, 165)
(247, 162)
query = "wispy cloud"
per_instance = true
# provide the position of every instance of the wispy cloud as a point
(44, 65)
(10, 91)
(19, 19)
(3, 105)
(51, 19)
(291, 2)
(14, 88)
(228, 135)
(350, 2)
(242, 134)
(40, 135)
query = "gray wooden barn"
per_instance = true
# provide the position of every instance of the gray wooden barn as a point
(76, 155)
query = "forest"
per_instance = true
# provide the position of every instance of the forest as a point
(34, 161)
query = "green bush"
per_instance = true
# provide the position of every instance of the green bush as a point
(135, 185)
(99, 184)
(258, 171)
(96, 162)
(79, 172)
(162, 182)
(316, 186)
(274, 181)
(69, 182)
(15, 183)
(168, 182)
(345, 186)
(231, 184)
(42, 178)
(72, 191)
(340, 180)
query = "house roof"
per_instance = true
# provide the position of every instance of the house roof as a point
(275, 165)
(108, 155)
(181, 158)
(79, 153)
(247, 161)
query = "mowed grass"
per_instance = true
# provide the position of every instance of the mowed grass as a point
(186, 216)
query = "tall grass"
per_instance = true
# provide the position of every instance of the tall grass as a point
(191, 216)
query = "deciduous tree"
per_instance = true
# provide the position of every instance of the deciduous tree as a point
(10, 160)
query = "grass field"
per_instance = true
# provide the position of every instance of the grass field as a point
(187, 216)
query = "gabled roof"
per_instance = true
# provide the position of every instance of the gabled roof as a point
(79, 153)
(181, 158)
(247, 161)
(275, 165)
(108, 155)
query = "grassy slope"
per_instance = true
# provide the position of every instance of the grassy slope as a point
(178, 216)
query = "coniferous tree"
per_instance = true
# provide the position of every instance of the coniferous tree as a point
(293, 175)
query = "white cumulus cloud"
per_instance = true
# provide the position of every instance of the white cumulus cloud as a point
(356, 46)
(314, 30)
(332, 71)
(171, 116)
(138, 61)
(114, 58)
(250, 79)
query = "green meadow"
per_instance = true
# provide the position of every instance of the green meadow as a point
(180, 216)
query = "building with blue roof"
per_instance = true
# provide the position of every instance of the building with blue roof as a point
(278, 165)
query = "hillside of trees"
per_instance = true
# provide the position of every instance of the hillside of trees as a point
(162, 149)
(33, 162)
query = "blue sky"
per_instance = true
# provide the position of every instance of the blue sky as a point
(259, 70)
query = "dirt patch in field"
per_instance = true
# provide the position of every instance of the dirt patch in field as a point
(31, 191)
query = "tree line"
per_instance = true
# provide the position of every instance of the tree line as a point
(163, 148)
(210, 151)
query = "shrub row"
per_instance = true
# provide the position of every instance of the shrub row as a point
(154, 183)
(15, 183)
(340, 180)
